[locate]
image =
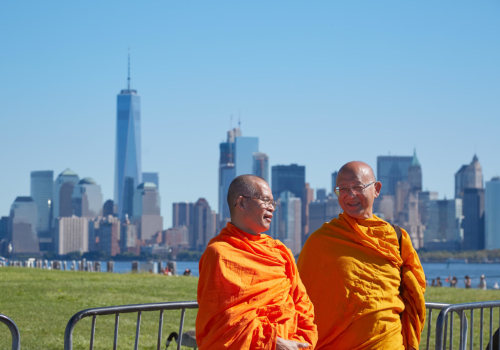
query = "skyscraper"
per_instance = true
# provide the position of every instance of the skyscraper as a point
(289, 218)
(492, 214)
(391, 170)
(63, 192)
(128, 174)
(147, 210)
(87, 198)
(23, 220)
(244, 149)
(261, 165)
(468, 176)
(473, 222)
(41, 189)
(238, 155)
(227, 172)
(291, 178)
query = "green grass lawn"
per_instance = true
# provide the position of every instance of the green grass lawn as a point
(41, 303)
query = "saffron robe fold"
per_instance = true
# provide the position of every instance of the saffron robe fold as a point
(352, 272)
(249, 293)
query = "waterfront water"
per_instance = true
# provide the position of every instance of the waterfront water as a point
(474, 271)
(432, 270)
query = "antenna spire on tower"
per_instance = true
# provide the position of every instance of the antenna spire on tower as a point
(128, 75)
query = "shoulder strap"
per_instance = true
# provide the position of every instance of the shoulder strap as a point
(399, 233)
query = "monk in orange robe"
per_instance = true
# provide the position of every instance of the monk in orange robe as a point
(353, 267)
(250, 295)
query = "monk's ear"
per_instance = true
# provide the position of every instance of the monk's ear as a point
(239, 202)
(378, 187)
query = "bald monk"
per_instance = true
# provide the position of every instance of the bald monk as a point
(249, 293)
(353, 267)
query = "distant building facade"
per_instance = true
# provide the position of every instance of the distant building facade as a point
(22, 226)
(41, 190)
(468, 176)
(147, 211)
(63, 194)
(492, 214)
(444, 225)
(72, 235)
(87, 198)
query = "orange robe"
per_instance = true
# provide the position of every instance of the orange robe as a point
(351, 270)
(249, 292)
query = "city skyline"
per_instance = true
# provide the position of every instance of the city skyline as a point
(318, 85)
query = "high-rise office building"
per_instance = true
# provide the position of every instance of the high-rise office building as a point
(261, 165)
(147, 210)
(239, 155)
(63, 193)
(321, 211)
(22, 224)
(289, 221)
(473, 222)
(202, 225)
(181, 214)
(291, 178)
(391, 170)
(227, 172)
(444, 225)
(468, 176)
(87, 198)
(72, 235)
(128, 174)
(41, 190)
(492, 214)
(244, 149)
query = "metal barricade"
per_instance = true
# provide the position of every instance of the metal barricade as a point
(14, 331)
(445, 328)
(117, 310)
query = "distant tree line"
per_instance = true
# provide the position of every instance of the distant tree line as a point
(472, 256)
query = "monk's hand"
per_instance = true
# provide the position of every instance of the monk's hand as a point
(284, 344)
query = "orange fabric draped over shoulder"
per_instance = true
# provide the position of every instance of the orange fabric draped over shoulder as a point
(249, 292)
(351, 270)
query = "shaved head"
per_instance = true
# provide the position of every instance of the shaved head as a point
(357, 189)
(359, 168)
(242, 185)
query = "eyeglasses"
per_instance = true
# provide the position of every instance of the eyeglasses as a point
(355, 189)
(267, 201)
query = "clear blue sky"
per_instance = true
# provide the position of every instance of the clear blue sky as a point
(319, 82)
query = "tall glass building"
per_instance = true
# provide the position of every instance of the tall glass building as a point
(128, 174)
(492, 214)
(23, 214)
(41, 190)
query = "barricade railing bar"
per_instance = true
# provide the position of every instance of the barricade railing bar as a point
(14, 331)
(466, 312)
(442, 326)
(122, 309)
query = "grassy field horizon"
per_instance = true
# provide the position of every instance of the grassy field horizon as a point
(41, 302)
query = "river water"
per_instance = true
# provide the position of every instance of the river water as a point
(432, 270)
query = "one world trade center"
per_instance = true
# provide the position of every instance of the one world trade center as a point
(128, 149)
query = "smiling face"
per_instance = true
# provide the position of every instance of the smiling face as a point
(253, 215)
(356, 201)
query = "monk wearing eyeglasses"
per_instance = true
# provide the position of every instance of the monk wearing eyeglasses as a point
(250, 295)
(366, 284)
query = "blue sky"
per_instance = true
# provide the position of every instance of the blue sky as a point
(319, 82)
